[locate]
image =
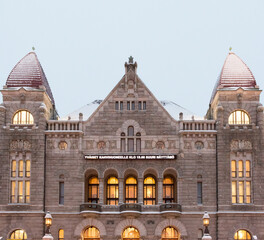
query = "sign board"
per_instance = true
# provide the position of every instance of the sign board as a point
(130, 157)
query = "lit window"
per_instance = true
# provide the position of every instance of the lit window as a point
(23, 117)
(170, 233)
(131, 190)
(18, 234)
(28, 168)
(112, 191)
(168, 190)
(149, 191)
(61, 234)
(242, 235)
(241, 181)
(130, 233)
(93, 190)
(91, 233)
(238, 117)
(13, 171)
(61, 193)
(20, 168)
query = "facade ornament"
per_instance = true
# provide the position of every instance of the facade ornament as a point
(74, 144)
(199, 145)
(20, 145)
(160, 145)
(237, 145)
(101, 145)
(187, 145)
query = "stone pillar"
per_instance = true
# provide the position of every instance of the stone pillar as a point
(140, 190)
(120, 191)
(101, 191)
(47, 237)
(207, 236)
(160, 185)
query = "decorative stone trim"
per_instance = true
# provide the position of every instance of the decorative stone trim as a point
(173, 223)
(87, 223)
(130, 222)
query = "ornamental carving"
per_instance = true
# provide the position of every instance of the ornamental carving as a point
(240, 145)
(112, 144)
(199, 145)
(20, 144)
(74, 144)
(187, 145)
(160, 145)
(211, 144)
(171, 144)
(101, 145)
(63, 145)
(50, 144)
(148, 144)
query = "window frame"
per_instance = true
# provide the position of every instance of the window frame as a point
(109, 186)
(19, 115)
(243, 115)
(153, 187)
(172, 187)
(134, 187)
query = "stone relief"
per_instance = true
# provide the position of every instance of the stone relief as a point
(101, 145)
(112, 144)
(148, 144)
(50, 144)
(63, 145)
(160, 145)
(211, 144)
(20, 144)
(199, 145)
(240, 145)
(74, 144)
(171, 144)
(187, 145)
(89, 144)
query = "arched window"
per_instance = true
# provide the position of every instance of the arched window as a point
(130, 233)
(93, 190)
(242, 235)
(149, 191)
(169, 233)
(18, 234)
(112, 191)
(61, 234)
(23, 117)
(91, 233)
(238, 117)
(130, 142)
(200, 234)
(168, 189)
(131, 190)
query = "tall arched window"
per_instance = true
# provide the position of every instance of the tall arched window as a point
(130, 142)
(18, 234)
(170, 233)
(242, 235)
(23, 117)
(61, 234)
(112, 191)
(149, 191)
(238, 117)
(168, 189)
(130, 233)
(93, 190)
(91, 233)
(131, 190)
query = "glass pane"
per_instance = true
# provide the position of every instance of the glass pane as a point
(13, 173)
(27, 191)
(61, 193)
(123, 145)
(28, 168)
(121, 106)
(130, 145)
(241, 191)
(199, 193)
(112, 180)
(128, 105)
(242, 235)
(20, 192)
(93, 180)
(238, 117)
(91, 232)
(248, 169)
(234, 192)
(248, 192)
(240, 168)
(20, 171)
(23, 117)
(233, 167)
(131, 180)
(131, 233)
(19, 234)
(138, 145)
(116, 105)
(130, 131)
(61, 234)
(13, 191)
(169, 232)
(149, 180)
(168, 180)
(139, 105)
(133, 106)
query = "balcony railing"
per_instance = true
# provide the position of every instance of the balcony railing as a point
(90, 207)
(60, 125)
(130, 207)
(170, 207)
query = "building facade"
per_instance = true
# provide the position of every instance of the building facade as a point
(130, 166)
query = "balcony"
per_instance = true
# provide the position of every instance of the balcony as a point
(94, 207)
(130, 209)
(173, 209)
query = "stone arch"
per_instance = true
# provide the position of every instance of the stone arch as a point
(14, 227)
(130, 171)
(173, 223)
(242, 226)
(130, 222)
(151, 171)
(128, 123)
(110, 171)
(170, 171)
(87, 223)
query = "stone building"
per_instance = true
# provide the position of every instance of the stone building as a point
(130, 166)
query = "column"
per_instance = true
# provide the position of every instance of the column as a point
(140, 190)
(101, 191)
(160, 186)
(120, 190)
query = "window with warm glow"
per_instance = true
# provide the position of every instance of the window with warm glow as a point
(149, 191)
(112, 191)
(238, 117)
(168, 189)
(170, 233)
(91, 233)
(20, 181)
(131, 190)
(93, 190)
(61, 234)
(23, 117)
(131, 233)
(18, 234)
(242, 235)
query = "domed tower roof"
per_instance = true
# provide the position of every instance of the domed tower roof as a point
(235, 73)
(29, 73)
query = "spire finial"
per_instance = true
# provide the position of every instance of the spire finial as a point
(130, 59)
(230, 49)
(33, 48)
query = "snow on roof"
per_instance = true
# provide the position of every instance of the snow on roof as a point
(235, 73)
(172, 108)
(29, 73)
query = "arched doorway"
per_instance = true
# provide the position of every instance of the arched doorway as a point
(242, 235)
(91, 233)
(130, 233)
(170, 233)
(18, 234)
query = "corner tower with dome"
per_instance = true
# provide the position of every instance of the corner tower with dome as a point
(130, 166)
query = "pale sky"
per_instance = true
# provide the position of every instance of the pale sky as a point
(180, 46)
